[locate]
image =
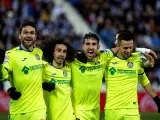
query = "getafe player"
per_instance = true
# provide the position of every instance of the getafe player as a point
(87, 79)
(122, 75)
(57, 52)
(23, 68)
(142, 50)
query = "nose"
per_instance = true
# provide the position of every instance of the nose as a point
(128, 50)
(62, 54)
(90, 46)
(29, 34)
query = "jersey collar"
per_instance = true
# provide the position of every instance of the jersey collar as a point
(55, 67)
(123, 58)
(21, 48)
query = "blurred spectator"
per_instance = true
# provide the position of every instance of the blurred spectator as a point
(107, 16)
(50, 20)
(1, 84)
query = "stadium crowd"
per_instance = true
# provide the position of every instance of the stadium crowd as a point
(50, 21)
(105, 17)
(141, 17)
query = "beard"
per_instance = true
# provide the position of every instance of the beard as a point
(28, 44)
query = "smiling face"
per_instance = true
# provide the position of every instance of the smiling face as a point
(126, 48)
(60, 54)
(90, 48)
(28, 36)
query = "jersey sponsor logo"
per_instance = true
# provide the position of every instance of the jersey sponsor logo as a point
(25, 70)
(31, 68)
(60, 81)
(128, 72)
(37, 56)
(130, 64)
(114, 71)
(84, 68)
(65, 74)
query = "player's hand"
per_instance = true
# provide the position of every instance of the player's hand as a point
(2, 55)
(151, 59)
(48, 86)
(157, 101)
(81, 56)
(153, 54)
(13, 93)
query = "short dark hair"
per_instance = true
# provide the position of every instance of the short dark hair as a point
(27, 23)
(48, 47)
(92, 36)
(125, 35)
(121, 31)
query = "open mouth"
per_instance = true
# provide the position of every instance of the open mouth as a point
(90, 52)
(28, 39)
(62, 59)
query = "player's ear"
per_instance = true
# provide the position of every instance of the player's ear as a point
(118, 44)
(98, 46)
(19, 36)
(83, 46)
(36, 37)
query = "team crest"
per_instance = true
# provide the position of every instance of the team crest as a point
(37, 56)
(65, 74)
(130, 64)
(97, 63)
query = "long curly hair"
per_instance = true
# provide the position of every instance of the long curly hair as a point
(48, 47)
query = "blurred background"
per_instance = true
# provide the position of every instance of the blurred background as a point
(71, 19)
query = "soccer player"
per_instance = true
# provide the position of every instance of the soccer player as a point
(58, 53)
(143, 50)
(23, 68)
(87, 79)
(122, 75)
